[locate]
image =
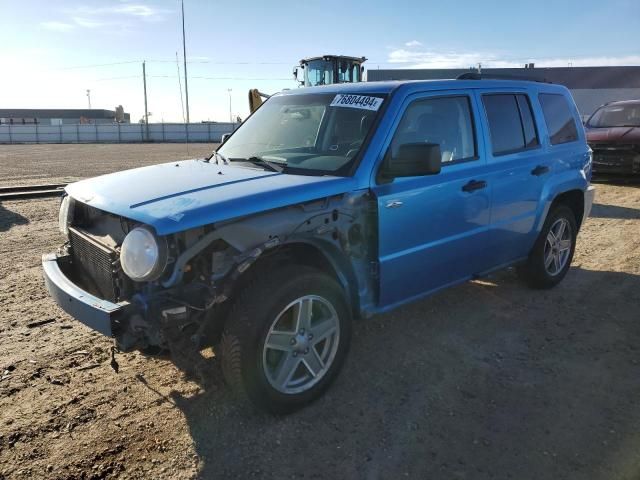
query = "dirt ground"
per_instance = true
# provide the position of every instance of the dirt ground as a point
(488, 380)
(37, 164)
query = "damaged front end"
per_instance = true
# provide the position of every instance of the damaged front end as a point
(184, 308)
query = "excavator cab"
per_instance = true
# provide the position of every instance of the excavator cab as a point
(323, 70)
(329, 69)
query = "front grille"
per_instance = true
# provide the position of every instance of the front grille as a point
(613, 146)
(616, 161)
(96, 263)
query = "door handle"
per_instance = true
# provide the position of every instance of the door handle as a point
(474, 185)
(394, 204)
(540, 170)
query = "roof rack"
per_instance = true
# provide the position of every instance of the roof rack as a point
(496, 76)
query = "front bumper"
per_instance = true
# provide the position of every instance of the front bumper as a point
(589, 196)
(96, 313)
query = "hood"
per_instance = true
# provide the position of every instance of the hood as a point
(613, 135)
(174, 197)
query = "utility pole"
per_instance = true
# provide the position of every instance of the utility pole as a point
(230, 114)
(89, 98)
(146, 113)
(184, 55)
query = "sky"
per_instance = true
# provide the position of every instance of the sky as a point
(53, 51)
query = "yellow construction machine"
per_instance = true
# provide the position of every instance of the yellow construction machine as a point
(323, 70)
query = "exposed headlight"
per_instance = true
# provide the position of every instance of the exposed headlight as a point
(64, 215)
(143, 256)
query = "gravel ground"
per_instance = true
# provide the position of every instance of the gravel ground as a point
(36, 164)
(488, 380)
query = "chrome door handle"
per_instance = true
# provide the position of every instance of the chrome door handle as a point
(394, 204)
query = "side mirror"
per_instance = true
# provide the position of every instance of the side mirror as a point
(225, 137)
(414, 160)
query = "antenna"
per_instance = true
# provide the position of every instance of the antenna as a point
(180, 87)
(184, 57)
(146, 112)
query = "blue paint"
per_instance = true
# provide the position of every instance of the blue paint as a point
(441, 236)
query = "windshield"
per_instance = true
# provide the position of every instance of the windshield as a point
(318, 72)
(348, 72)
(616, 116)
(308, 133)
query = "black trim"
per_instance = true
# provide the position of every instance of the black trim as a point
(496, 76)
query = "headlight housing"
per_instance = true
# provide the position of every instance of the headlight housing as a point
(64, 215)
(143, 256)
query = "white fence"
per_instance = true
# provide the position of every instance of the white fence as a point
(115, 133)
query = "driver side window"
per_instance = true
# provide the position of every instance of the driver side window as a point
(445, 121)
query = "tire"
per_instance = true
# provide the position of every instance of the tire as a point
(266, 309)
(540, 271)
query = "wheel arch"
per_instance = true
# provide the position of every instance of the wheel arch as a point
(314, 253)
(574, 199)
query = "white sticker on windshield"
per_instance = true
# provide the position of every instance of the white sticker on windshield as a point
(357, 101)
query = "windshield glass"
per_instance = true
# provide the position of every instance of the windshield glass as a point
(348, 72)
(616, 116)
(319, 72)
(308, 133)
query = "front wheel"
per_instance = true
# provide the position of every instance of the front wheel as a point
(551, 255)
(286, 338)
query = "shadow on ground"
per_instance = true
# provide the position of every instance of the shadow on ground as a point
(620, 180)
(486, 380)
(613, 211)
(8, 219)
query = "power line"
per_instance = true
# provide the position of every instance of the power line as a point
(116, 78)
(210, 62)
(98, 65)
(240, 78)
(220, 78)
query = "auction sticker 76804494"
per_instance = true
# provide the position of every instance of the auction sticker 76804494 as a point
(357, 101)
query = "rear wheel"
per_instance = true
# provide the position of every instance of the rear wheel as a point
(286, 339)
(551, 255)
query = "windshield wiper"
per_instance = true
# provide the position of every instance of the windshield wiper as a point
(274, 167)
(218, 156)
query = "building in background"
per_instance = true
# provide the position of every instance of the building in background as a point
(66, 116)
(590, 86)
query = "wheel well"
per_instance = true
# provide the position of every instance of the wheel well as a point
(574, 199)
(304, 254)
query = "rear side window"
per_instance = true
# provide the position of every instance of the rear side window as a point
(510, 123)
(558, 117)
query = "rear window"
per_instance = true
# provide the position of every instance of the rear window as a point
(559, 118)
(510, 123)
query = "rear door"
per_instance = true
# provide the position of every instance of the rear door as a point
(518, 167)
(432, 229)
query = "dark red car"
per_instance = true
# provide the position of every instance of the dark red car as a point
(613, 133)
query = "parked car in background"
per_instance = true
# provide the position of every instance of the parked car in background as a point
(613, 133)
(328, 203)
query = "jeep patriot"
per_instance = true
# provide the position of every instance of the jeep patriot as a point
(327, 204)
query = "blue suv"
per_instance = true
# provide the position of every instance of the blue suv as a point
(328, 203)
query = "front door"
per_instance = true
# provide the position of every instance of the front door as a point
(433, 229)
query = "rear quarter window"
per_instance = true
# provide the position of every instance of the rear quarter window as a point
(558, 117)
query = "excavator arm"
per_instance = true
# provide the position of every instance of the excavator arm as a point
(256, 99)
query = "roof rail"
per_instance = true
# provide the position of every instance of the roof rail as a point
(497, 76)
